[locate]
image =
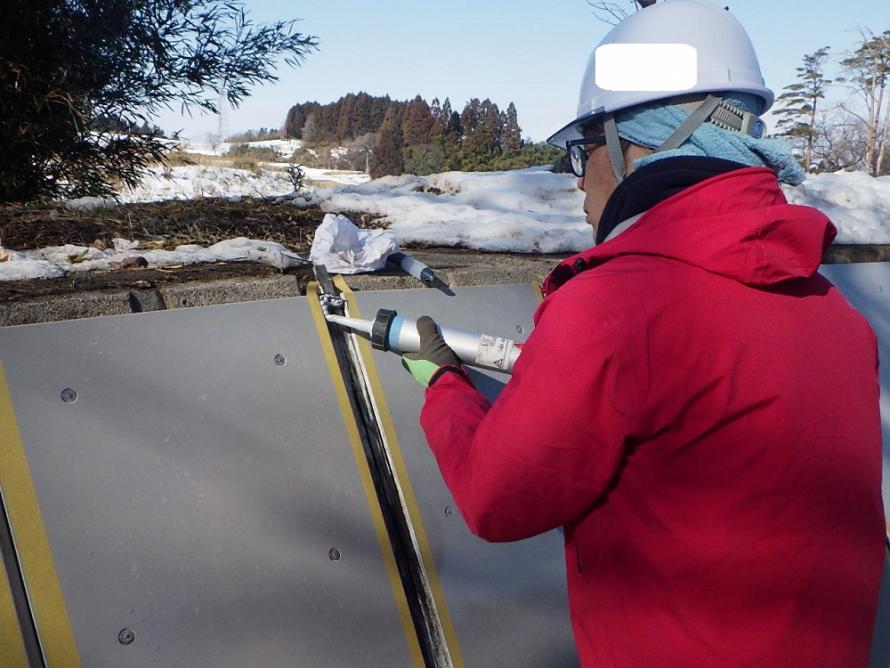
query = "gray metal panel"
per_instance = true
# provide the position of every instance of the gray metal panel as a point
(507, 601)
(193, 491)
(880, 646)
(867, 287)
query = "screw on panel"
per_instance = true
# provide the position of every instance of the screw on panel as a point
(334, 554)
(280, 360)
(520, 329)
(68, 395)
(449, 511)
(126, 636)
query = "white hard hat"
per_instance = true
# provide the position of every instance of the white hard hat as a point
(725, 60)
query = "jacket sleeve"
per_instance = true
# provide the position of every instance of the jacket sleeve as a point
(555, 438)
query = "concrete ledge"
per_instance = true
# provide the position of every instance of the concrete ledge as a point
(69, 307)
(88, 297)
(228, 291)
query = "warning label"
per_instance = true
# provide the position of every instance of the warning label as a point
(494, 351)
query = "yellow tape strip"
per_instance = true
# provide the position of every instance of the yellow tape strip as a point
(35, 556)
(11, 643)
(536, 282)
(401, 472)
(349, 422)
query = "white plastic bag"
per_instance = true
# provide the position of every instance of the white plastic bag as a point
(345, 249)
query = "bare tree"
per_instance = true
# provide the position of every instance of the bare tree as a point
(614, 13)
(866, 72)
(839, 141)
(310, 128)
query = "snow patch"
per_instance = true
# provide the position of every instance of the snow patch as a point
(57, 261)
(529, 210)
(858, 204)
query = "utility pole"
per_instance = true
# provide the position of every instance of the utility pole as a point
(222, 114)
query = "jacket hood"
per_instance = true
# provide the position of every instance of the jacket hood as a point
(738, 225)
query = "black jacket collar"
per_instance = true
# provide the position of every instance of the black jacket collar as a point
(652, 183)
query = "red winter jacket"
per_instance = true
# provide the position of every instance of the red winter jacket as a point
(699, 408)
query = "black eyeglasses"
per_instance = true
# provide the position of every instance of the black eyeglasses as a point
(578, 155)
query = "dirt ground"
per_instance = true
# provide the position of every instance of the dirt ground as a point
(159, 225)
(165, 224)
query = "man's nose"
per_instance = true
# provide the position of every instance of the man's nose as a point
(581, 183)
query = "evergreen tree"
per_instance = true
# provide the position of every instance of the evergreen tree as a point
(64, 64)
(362, 115)
(511, 136)
(379, 107)
(346, 118)
(417, 123)
(482, 129)
(445, 116)
(327, 122)
(293, 123)
(436, 109)
(423, 159)
(437, 129)
(453, 139)
(455, 126)
(387, 157)
(471, 117)
(490, 128)
(799, 104)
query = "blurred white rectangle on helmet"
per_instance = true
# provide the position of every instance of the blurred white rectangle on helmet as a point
(646, 67)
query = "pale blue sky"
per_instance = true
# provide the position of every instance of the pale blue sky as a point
(531, 52)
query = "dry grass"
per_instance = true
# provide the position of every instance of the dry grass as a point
(165, 224)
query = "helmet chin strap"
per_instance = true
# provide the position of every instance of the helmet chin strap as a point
(701, 114)
(613, 146)
(698, 116)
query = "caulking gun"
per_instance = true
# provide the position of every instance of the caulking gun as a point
(396, 333)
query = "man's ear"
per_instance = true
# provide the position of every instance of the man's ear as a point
(632, 153)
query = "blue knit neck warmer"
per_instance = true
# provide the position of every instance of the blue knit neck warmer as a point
(651, 126)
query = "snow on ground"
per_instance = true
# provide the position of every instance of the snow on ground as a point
(858, 204)
(284, 147)
(336, 176)
(534, 210)
(56, 261)
(193, 181)
(530, 210)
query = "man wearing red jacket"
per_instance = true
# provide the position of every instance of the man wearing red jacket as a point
(696, 405)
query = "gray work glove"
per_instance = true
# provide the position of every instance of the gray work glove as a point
(434, 356)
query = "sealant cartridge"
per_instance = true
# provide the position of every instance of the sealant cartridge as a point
(393, 332)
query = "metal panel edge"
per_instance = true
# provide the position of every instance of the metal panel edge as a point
(401, 471)
(10, 631)
(349, 422)
(26, 522)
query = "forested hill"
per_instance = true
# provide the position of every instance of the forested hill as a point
(419, 137)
